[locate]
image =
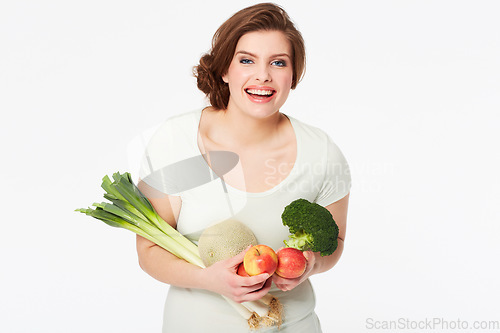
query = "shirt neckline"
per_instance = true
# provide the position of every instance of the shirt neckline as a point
(274, 188)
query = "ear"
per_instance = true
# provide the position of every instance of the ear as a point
(224, 78)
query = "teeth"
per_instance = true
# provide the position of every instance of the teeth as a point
(260, 92)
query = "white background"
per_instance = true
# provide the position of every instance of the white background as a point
(408, 89)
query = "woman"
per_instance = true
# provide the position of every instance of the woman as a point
(257, 56)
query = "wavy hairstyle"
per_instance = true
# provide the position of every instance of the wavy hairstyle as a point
(215, 64)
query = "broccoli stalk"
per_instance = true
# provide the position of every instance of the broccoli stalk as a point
(312, 227)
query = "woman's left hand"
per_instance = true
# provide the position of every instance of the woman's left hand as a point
(289, 284)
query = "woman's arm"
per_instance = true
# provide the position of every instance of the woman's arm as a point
(315, 262)
(166, 267)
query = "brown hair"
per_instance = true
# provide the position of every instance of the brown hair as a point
(214, 64)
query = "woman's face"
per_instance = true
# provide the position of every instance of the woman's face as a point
(260, 74)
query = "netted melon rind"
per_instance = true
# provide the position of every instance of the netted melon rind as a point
(224, 240)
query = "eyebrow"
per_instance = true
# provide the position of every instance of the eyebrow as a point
(272, 56)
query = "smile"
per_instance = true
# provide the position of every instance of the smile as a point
(260, 95)
(260, 92)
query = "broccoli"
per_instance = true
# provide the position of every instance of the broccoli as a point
(311, 226)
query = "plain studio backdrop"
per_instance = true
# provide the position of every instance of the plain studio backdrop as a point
(409, 90)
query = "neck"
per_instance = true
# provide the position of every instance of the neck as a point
(248, 131)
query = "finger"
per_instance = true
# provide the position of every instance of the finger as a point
(283, 287)
(310, 259)
(308, 255)
(265, 286)
(253, 280)
(279, 280)
(258, 294)
(254, 288)
(258, 286)
(287, 286)
(237, 259)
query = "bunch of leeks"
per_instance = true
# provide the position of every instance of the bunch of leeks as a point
(128, 208)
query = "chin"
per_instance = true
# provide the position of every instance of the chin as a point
(263, 114)
(263, 111)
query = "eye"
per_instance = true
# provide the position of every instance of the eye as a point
(279, 63)
(246, 61)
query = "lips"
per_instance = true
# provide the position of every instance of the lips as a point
(260, 94)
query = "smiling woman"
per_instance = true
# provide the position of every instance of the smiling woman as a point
(257, 58)
(262, 17)
(259, 77)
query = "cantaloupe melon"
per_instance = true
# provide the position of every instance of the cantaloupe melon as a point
(224, 240)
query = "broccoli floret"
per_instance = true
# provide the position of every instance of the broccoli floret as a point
(311, 226)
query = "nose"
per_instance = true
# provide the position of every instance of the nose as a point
(263, 73)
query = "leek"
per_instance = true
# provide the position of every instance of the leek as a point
(130, 209)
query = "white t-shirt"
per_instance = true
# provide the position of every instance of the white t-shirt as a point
(173, 164)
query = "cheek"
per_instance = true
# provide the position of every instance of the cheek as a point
(286, 79)
(236, 75)
(237, 79)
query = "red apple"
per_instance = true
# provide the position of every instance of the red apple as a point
(241, 270)
(260, 259)
(291, 263)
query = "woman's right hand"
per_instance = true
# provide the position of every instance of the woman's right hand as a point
(221, 278)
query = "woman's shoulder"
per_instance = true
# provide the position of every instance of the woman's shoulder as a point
(308, 131)
(183, 117)
(172, 130)
(176, 124)
(316, 141)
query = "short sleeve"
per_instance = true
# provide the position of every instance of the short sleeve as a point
(159, 153)
(172, 162)
(336, 182)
